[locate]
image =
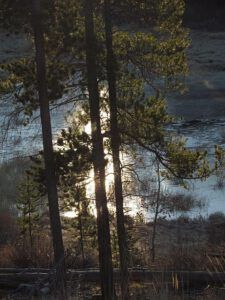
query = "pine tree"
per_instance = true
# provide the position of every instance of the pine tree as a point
(73, 162)
(29, 207)
(48, 148)
(82, 226)
(152, 58)
(105, 255)
(115, 145)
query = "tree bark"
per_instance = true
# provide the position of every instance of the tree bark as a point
(105, 255)
(115, 145)
(48, 147)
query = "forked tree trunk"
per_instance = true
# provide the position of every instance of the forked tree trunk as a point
(48, 147)
(105, 255)
(115, 144)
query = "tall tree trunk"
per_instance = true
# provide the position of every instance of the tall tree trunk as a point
(115, 144)
(105, 255)
(48, 147)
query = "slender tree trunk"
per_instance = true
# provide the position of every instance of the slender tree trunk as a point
(81, 234)
(29, 218)
(24, 230)
(156, 213)
(30, 234)
(154, 232)
(105, 255)
(115, 144)
(30, 231)
(48, 148)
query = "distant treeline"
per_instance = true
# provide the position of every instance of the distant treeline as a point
(199, 14)
(205, 14)
(215, 3)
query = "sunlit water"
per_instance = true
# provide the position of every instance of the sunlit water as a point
(204, 135)
(204, 101)
(24, 141)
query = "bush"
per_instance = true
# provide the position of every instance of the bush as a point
(8, 229)
(11, 173)
(217, 218)
(216, 228)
